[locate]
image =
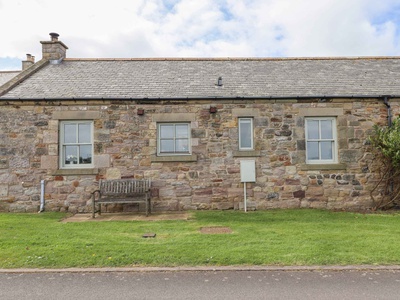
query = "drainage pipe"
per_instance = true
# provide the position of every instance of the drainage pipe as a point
(389, 111)
(42, 184)
(389, 117)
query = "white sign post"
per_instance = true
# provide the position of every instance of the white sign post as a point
(247, 174)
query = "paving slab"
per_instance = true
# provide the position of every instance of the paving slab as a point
(162, 216)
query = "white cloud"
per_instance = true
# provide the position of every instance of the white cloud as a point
(212, 28)
(337, 27)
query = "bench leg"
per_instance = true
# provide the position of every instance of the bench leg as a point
(148, 205)
(93, 207)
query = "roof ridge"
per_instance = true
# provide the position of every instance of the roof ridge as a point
(234, 58)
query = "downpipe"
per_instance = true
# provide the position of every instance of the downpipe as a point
(42, 185)
(389, 110)
(389, 118)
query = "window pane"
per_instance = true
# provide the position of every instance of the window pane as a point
(312, 150)
(167, 131)
(71, 155)
(84, 133)
(181, 145)
(166, 146)
(312, 129)
(85, 154)
(326, 129)
(70, 133)
(181, 131)
(245, 133)
(326, 150)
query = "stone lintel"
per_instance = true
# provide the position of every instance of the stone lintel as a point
(76, 115)
(320, 112)
(245, 112)
(174, 117)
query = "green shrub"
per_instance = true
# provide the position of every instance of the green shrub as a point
(386, 147)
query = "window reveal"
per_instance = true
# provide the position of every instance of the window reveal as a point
(245, 133)
(76, 146)
(321, 140)
(173, 138)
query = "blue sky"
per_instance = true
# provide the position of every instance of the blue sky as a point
(200, 28)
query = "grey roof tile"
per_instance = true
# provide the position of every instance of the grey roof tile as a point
(7, 75)
(170, 78)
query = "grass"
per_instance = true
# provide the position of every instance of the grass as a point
(276, 237)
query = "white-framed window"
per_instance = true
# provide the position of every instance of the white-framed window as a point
(321, 141)
(76, 144)
(246, 134)
(173, 138)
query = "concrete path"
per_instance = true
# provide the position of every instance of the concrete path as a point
(132, 216)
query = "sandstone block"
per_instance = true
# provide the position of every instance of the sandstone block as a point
(113, 173)
(49, 162)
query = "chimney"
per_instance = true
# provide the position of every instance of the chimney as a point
(54, 50)
(30, 60)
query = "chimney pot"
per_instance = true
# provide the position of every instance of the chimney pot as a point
(30, 57)
(54, 36)
(30, 60)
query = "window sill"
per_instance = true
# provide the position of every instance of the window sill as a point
(249, 153)
(191, 157)
(66, 172)
(313, 167)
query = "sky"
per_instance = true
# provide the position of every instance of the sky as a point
(200, 28)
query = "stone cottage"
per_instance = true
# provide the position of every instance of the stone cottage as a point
(187, 124)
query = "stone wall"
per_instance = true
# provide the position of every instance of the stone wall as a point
(125, 147)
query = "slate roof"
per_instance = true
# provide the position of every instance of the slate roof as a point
(7, 75)
(197, 78)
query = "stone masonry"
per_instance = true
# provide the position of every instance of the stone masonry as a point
(125, 147)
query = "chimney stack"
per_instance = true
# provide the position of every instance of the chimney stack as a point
(54, 50)
(30, 60)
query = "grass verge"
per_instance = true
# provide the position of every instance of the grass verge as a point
(276, 237)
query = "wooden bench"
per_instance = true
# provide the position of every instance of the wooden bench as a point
(123, 191)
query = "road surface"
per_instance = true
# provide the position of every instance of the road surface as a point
(380, 284)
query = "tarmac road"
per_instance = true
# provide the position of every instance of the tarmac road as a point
(258, 284)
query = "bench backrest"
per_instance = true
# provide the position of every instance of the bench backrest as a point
(124, 186)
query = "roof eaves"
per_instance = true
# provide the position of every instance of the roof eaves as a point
(320, 97)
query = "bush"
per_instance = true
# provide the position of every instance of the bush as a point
(386, 147)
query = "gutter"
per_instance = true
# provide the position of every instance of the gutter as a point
(322, 98)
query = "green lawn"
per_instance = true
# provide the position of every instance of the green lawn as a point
(276, 237)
